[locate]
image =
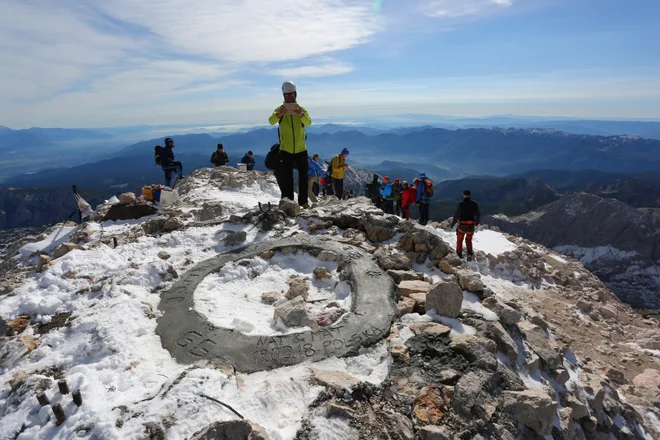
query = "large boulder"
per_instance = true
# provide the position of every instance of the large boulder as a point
(470, 281)
(504, 341)
(446, 298)
(406, 288)
(538, 341)
(395, 261)
(232, 430)
(532, 408)
(508, 315)
(380, 228)
(472, 397)
(404, 275)
(297, 287)
(289, 207)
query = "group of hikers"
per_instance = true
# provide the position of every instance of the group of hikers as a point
(291, 153)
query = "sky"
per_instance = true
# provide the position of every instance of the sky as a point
(93, 63)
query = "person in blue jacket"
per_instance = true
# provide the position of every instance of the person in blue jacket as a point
(386, 194)
(249, 160)
(424, 195)
(314, 173)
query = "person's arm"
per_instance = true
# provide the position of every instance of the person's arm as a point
(478, 215)
(277, 115)
(304, 117)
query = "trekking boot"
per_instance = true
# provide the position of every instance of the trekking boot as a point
(460, 254)
(306, 206)
(470, 256)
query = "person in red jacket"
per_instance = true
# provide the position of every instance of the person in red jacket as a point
(408, 197)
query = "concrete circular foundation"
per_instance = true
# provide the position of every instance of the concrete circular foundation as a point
(189, 337)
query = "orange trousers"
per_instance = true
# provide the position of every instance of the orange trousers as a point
(465, 231)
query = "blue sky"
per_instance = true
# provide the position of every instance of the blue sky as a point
(90, 63)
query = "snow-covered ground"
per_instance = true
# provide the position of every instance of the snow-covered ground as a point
(231, 298)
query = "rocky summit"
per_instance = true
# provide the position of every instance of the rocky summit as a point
(234, 315)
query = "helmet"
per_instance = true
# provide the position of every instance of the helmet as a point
(288, 87)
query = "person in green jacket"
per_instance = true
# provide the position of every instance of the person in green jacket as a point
(292, 119)
(396, 196)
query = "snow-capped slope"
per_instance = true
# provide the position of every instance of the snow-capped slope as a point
(92, 320)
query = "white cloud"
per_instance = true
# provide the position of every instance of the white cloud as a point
(324, 67)
(464, 8)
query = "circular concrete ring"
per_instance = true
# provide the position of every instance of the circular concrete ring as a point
(190, 337)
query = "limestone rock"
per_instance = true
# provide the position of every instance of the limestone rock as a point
(64, 249)
(395, 261)
(129, 212)
(17, 325)
(430, 328)
(329, 316)
(579, 408)
(289, 207)
(470, 281)
(321, 273)
(508, 315)
(431, 432)
(294, 313)
(401, 426)
(446, 298)
(380, 227)
(298, 287)
(232, 430)
(472, 397)
(449, 264)
(333, 379)
(267, 255)
(538, 341)
(163, 255)
(210, 211)
(172, 224)
(480, 351)
(404, 275)
(234, 238)
(649, 379)
(336, 409)
(44, 260)
(533, 408)
(420, 302)
(584, 306)
(271, 297)
(328, 256)
(405, 288)
(504, 341)
(405, 306)
(127, 198)
(608, 312)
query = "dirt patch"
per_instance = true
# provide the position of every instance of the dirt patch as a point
(57, 321)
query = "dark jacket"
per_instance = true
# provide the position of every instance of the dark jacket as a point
(219, 158)
(467, 210)
(166, 157)
(249, 161)
(372, 189)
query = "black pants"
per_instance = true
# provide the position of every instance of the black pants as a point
(388, 206)
(423, 213)
(397, 207)
(288, 162)
(338, 188)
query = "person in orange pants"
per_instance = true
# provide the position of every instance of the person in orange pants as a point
(468, 217)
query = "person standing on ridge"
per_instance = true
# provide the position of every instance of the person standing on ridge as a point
(424, 194)
(314, 172)
(386, 193)
(249, 160)
(339, 167)
(371, 191)
(292, 119)
(173, 168)
(408, 197)
(468, 217)
(396, 196)
(219, 157)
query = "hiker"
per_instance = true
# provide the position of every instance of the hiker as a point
(424, 194)
(339, 166)
(408, 197)
(314, 172)
(292, 119)
(173, 169)
(396, 196)
(371, 191)
(468, 217)
(386, 194)
(249, 160)
(219, 157)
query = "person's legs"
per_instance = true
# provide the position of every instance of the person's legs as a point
(310, 189)
(338, 187)
(278, 178)
(460, 235)
(423, 213)
(286, 174)
(301, 164)
(389, 207)
(405, 212)
(468, 242)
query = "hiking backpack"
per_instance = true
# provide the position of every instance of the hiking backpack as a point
(428, 188)
(157, 152)
(272, 161)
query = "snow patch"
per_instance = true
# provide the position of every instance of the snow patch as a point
(472, 302)
(590, 255)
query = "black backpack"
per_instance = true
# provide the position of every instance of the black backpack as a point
(157, 152)
(272, 161)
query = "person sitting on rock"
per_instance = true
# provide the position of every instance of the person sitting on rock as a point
(219, 157)
(249, 160)
(468, 217)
